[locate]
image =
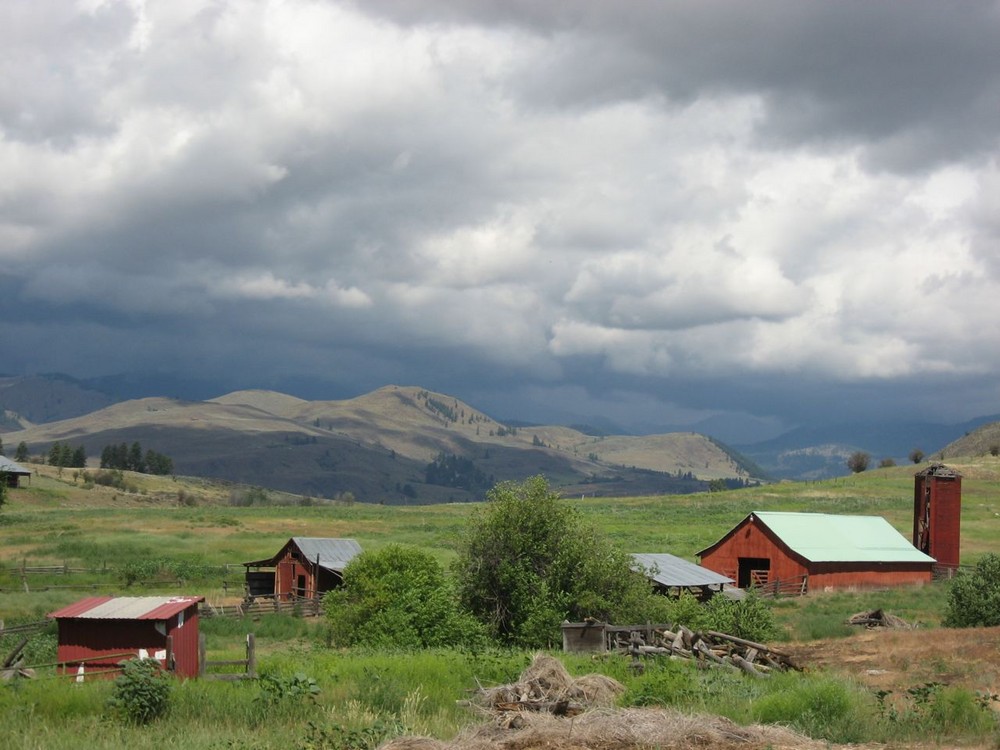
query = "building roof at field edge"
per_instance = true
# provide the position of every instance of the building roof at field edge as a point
(126, 607)
(822, 537)
(332, 554)
(10, 467)
(670, 570)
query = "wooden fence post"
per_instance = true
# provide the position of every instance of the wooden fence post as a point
(169, 661)
(251, 655)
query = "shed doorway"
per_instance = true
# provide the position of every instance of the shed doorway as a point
(753, 571)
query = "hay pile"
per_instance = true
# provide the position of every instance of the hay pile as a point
(546, 686)
(624, 729)
(526, 715)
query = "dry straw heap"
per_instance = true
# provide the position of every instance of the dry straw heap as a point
(548, 709)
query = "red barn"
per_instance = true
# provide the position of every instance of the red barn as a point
(98, 632)
(826, 551)
(305, 567)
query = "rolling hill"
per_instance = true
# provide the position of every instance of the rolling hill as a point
(378, 446)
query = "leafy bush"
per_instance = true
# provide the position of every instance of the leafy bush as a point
(750, 617)
(276, 690)
(528, 561)
(141, 692)
(974, 598)
(398, 597)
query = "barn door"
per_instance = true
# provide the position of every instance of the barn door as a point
(753, 571)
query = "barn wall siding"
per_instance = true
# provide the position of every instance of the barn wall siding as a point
(751, 540)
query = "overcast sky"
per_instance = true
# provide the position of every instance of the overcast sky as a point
(650, 211)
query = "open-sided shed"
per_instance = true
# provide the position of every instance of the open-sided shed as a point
(12, 471)
(304, 567)
(825, 551)
(670, 575)
(97, 633)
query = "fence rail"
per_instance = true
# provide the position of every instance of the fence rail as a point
(795, 586)
(24, 569)
(24, 628)
(270, 605)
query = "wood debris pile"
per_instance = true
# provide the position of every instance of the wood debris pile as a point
(546, 686)
(709, 648)
(878, 618)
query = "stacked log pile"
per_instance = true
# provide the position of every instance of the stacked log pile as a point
(709, 648)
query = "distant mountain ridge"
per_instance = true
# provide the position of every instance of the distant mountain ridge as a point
(379, 445)
(415, 425)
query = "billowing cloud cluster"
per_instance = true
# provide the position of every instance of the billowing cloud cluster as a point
(716, 206)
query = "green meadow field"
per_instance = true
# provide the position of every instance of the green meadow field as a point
(189, 536)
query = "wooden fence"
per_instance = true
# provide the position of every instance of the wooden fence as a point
(249, 664)
(265, 605)
(795, 586)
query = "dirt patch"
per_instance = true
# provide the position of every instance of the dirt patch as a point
(901, 659)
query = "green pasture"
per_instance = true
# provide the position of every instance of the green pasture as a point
(179, 536)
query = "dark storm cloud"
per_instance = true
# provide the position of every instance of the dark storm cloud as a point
(669, 209)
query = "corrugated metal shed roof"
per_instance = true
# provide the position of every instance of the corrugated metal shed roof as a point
(670, 570)
(333, 554)
(126, 607)
(822, 537)
(11, 467)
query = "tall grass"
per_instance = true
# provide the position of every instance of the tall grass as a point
(373, 695)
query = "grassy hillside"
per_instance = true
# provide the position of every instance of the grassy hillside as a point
(377, 446)
(982, 441)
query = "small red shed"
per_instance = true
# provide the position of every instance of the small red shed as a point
(98, 632)
(824, 551)
(305, 567)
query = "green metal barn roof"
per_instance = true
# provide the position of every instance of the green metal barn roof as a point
(821, 537)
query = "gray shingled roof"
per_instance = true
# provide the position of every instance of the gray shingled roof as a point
(670, 570)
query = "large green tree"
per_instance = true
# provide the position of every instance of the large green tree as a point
(398, 597)
(528, 561)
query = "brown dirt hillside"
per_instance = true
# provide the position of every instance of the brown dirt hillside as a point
(980, 442)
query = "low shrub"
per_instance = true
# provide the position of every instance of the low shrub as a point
(141, 692)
